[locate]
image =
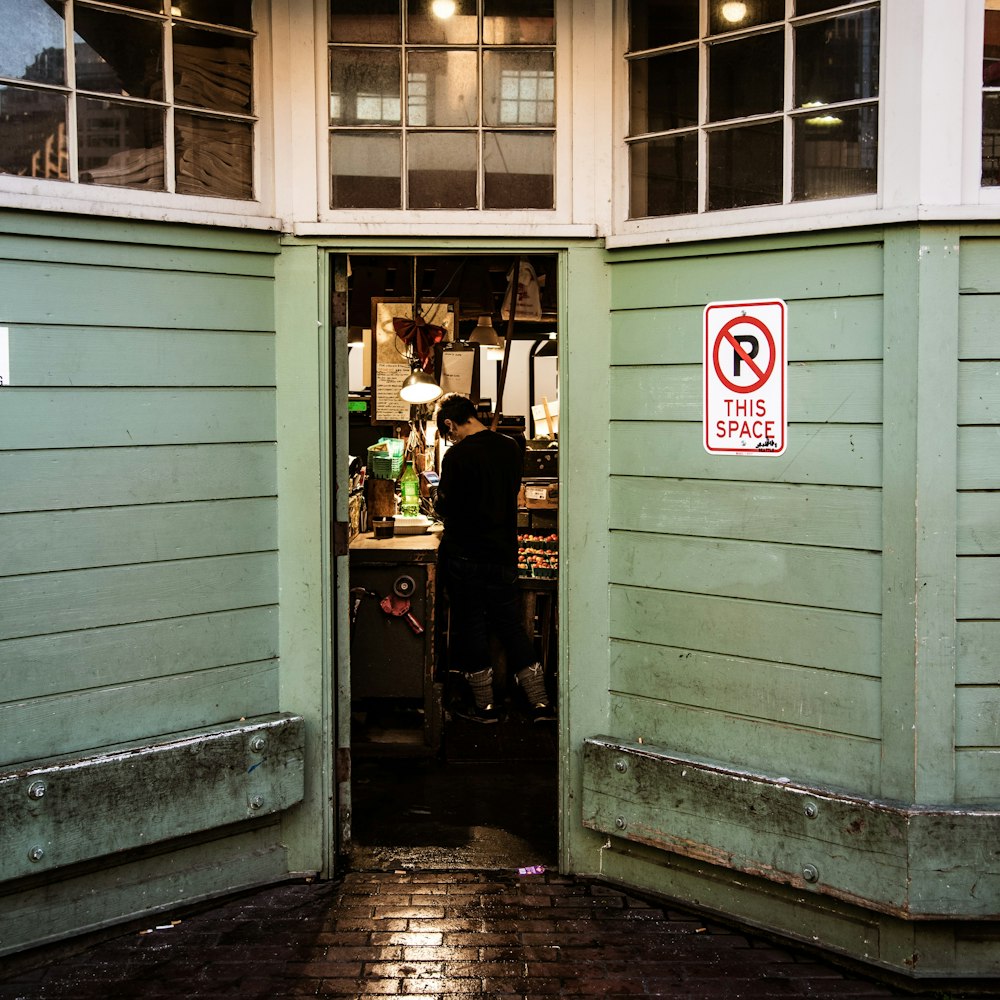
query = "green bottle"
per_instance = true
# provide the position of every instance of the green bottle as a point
(409, 492)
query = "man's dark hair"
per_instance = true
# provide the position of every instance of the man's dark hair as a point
(455, 407)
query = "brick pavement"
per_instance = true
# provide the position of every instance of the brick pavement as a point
(437, 936)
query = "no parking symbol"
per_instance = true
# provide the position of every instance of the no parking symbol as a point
(744, 372)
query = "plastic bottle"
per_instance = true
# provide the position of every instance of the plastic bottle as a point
(409, 492)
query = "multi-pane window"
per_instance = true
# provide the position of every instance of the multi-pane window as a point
(991, 94)
(143, 94)
(442, 104)
(738, 103)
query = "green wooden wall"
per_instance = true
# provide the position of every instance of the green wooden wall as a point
(978, 520)
(745, 592)
(828, 618)
(138, 512)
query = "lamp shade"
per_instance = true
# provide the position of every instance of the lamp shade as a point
(419, 387)
(484, 333)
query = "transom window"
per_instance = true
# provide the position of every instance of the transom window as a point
(738, 103)
(442, 104)
(86, 95)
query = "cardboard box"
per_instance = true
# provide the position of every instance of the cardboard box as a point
(539, 494)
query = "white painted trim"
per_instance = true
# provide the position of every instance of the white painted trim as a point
(811, 224)
(972, 108)
(900, 89)
(39, 196)
(472, 226)
(943, 56)
(294, 71)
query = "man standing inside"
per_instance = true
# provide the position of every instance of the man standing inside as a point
(477, 500)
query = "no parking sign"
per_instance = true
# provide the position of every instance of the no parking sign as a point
(744, 371)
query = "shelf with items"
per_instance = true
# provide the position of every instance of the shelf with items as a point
(538, 555)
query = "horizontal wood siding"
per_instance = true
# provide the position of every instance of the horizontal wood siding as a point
(745, 593)
(138, 518)
(977, 703)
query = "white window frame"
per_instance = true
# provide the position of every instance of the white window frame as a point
(788, 216)
(70, 196)
(973, 192)
(522, 222)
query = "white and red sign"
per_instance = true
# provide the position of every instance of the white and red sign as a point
(744, 370)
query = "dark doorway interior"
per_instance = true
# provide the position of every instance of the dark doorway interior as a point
(487, 803)
(431, 790)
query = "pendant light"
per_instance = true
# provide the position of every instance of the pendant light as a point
(484, 333)
(419, 387)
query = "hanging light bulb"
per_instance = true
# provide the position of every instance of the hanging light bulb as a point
(484, 333)
(734, 11)
(443, 8)
(419, 387)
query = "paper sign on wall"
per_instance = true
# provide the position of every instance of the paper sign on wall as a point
(744, 378)
(4, 356)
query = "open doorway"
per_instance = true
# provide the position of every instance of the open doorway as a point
(430, 788)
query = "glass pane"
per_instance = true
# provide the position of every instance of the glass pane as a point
(118, 53)
(154, 6)
(214, 156)
(365, 170)
(744, 166)
(836, 154)
(837, 60)
(33, 133)
(663, 92)
(653, 23)
(441, 88)
(519, 88)
(441, 170)
(664, 176)
(991, 140)
(32, 42)
(452, 22)
(232, 13)
(814, 6)
(213, 70)
(364, 87)
(120, 144)
(991, 49)
(519, 22)
(365, 21)
(519, 170)
(733, 15)
(746, 77)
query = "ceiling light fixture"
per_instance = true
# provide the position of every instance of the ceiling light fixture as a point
(734, 11)
(443, 8)
(484, 333)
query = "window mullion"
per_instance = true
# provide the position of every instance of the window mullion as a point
(404, 117)
(788, 151)
(169, 132)
(480, 124)
(72, 133)
(703, 110)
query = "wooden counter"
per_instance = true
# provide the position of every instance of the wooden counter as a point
(411, 548)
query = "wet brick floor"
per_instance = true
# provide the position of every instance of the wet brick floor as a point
(437, 935)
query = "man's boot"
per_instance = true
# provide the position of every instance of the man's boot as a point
(482, 709)
(531, 681)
